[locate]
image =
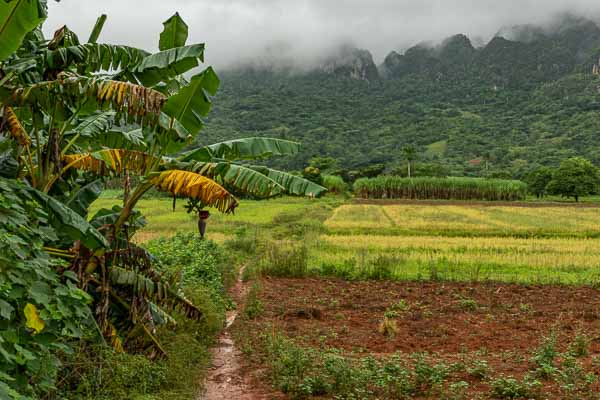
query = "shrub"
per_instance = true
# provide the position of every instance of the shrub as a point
(544, 356)
(285, 260)
(511, 388)
(334, 184)
(254, 307)
(196, 263)
(394, 187)
(39, 313)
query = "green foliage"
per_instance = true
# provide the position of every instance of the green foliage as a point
(105, 374)
(304, 372)
(512, 388)
(525, 103)
(538, 180)
(195, 263)
(18, 18)
(576, 177)
(174, 34)
(334, 184)
(313, 174)
(393, 187)
(29, 279)
(285, 260)
(253, 307)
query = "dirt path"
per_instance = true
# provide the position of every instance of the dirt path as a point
(226, 379)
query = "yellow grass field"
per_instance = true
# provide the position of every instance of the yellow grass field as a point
(468, 220)
(508, 243)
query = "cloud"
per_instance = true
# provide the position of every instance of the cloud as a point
(304, 30)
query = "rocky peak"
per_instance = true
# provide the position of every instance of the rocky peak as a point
(456, 49)
(352, 63)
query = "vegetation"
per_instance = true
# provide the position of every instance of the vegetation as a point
(334, 184)
(576, 177)
(392, 187)
(72, 115)
(538, 180)
(98, 372)
(459, 106)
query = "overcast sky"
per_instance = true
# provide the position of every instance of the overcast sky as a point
(235, 30)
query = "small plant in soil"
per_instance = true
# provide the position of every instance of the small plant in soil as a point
(254, 307)
(544, 357)
(457, 391)
(479, 369)
(512, 388)
(525, 308)
(391, 314)
(468, 304)
(427, 375)
(580, 346)
(400, 306)
(574, 381)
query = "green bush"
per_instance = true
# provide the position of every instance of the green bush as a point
(197, 263)
(103, 374)
(39, 313)
(334, 184)
(395, 187)
(302, 372)
(512, 388)
(100, 373)
(285, 260)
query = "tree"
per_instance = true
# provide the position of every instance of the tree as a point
(575, 177)
(538, 180)
(410, 154)
(325, 164)
(313, 174)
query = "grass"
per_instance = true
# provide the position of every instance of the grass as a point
(163, 221)
(557, 260)
(451, 188)
(459, 220)
(554, 244)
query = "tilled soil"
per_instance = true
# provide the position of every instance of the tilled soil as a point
(502, 321)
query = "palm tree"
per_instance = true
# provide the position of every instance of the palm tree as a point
(410, 153)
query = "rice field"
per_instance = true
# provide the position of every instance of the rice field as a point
(550, 244)
(559, 260)
(453, 242)
(465, 220)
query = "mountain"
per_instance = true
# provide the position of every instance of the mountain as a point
(352, 63)
(527, 97)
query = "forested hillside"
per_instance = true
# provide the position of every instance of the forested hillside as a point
(530, 96)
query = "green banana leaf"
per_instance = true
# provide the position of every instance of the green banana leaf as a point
(17, 19)
(294, 185)
(167, 64)
(243, 149)
(68, 222)
(174, 34)
(95, 34)
(191, 103)
(247, 180)
(82, 199)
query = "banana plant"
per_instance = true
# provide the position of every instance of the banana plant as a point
(75, 113)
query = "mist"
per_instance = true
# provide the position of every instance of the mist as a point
(302, 32)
